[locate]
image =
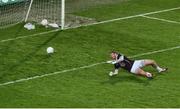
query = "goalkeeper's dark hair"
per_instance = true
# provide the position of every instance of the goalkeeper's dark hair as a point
(114, 52)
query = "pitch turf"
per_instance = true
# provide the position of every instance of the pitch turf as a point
(92, 87)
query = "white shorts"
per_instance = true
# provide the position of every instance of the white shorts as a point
(137, 64)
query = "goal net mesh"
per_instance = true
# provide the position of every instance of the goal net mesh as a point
(12, 12)
(77, 11)
(45, 9)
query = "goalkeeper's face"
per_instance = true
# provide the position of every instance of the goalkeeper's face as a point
(113, 56)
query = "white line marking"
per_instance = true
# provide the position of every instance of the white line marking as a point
(83, 67)
(157, 51)
(107, 21)
(49, 74)
(159, 19)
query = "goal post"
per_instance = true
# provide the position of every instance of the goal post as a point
(29, 8)
(62, 14)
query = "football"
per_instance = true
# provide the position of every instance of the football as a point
(50, 50)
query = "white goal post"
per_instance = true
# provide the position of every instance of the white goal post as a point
(29, 8)
(62, 14)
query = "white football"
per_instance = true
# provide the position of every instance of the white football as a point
(44, 22)
(50, 50)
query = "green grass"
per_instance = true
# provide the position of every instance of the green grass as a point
(92, 87)
(130, 7)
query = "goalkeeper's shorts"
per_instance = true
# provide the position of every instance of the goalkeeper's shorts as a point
(137, 64)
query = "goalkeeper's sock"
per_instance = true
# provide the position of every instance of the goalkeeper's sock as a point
(159, 69)
(163, 70)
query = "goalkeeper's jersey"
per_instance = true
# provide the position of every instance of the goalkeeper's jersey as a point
(126, 63)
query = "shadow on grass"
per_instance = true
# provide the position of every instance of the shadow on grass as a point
(122, 79)
(28, 56)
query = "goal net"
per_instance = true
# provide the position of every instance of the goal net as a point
(65, 13)
(83, 12)
(12, 12)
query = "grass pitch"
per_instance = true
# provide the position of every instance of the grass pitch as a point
(92, 87)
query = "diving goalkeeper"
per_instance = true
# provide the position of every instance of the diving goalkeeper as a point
(133, 66)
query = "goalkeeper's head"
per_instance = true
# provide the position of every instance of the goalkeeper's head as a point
(114, 55)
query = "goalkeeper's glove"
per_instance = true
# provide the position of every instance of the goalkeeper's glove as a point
(111, 73)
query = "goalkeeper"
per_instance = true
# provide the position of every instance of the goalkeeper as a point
(133, 66)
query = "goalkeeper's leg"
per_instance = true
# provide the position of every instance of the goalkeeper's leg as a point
(154, 65)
